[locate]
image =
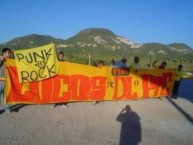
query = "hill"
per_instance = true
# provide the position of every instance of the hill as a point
(100, 43)
(30, 41)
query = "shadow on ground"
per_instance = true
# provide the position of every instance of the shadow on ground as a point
(181, 110)
(130, 127)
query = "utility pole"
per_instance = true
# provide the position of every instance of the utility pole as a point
(89, 59)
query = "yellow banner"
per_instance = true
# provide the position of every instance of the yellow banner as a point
(36, 64)
(77, 82)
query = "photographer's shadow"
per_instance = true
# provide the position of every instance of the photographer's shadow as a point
(131, 128)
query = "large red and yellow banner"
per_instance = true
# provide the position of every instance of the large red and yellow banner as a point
(77, 82)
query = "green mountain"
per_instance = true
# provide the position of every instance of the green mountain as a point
(179, 46)
(97, 38)
(171, 51)
(104, 44)
(100, 43)
(30, 41)
(97, 42)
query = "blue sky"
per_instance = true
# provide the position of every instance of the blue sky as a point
(141, 21)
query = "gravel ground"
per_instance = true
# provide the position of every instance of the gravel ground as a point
(151, 122)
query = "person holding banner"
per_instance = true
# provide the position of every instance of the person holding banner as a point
(121, 63)
(6, 53)
(136, 65)
(161, 66)
(60, 57)
(179, 74)
(99, 64)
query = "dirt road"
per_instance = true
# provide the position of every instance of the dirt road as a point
(165, 122)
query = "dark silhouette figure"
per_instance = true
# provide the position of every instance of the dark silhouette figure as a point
(130, 129)
(179, 75)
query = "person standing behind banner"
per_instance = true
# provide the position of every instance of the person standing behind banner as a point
(60, 57)
(99, 64)
(6, 53)
(135, 65)
(179, 74)
(161, 66)
(121, 63)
